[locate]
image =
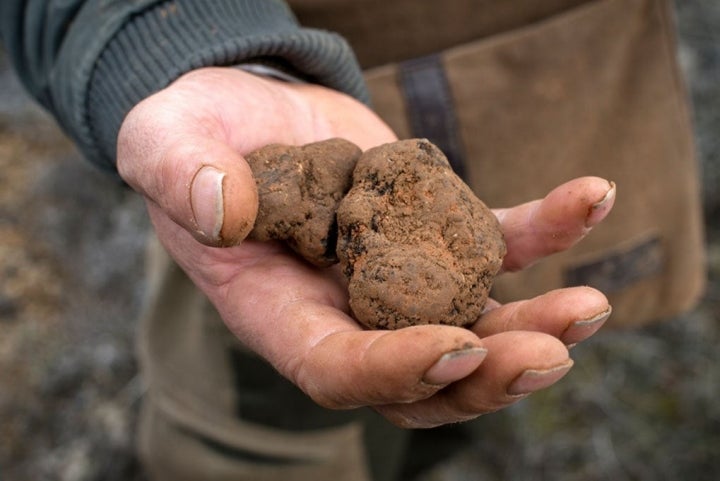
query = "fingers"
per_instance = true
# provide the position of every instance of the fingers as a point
(572, 315)
(526, 344)
(518, 363)
(429, 375)
(542, 227)
(423, 376)
(359, 368)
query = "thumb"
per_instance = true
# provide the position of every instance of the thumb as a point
(200, 183)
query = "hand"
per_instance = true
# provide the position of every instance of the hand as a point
(182, 149)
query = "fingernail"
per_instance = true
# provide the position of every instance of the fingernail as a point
(535, 379)
(598, 210)
(579, 330)
(206, 198)
(455, 365)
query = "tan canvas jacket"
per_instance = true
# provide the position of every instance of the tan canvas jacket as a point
(524, 95)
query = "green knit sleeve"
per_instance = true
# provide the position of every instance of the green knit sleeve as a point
(110, 54)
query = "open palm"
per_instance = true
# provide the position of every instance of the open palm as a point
(183, 150)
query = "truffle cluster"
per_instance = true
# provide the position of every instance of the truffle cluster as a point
(416, 245)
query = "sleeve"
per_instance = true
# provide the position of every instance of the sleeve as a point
(89, 62)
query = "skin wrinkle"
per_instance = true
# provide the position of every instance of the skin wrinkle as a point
(512, 316)
(537, 226)
(404, 419)
(419, 389)
(447, 406)
(301, 109)
(216, 126)
(144, 144)
(209, 277)
(302, 371)
(414, 392)
(319, 124)
(563, 238)
(367, 352)
(510, 264)
(299, 367)
(239, 261)
(467, 407)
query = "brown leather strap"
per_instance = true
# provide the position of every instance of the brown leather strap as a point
(430, 107)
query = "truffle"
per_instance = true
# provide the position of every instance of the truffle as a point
(299, 189)
(417, 246)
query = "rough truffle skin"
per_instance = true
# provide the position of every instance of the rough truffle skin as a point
(299, 189)
(417, 246)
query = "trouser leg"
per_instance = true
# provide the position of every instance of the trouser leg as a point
(216, 411)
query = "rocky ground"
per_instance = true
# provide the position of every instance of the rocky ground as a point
(639, 405)
(71, 245)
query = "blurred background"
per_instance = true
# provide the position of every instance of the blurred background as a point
(639, 405)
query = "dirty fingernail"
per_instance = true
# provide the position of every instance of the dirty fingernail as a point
(580, 330)
(533, 380)
(206, 197)
(455, 365)
(599, 210)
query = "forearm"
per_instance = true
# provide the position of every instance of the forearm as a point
(98, 59)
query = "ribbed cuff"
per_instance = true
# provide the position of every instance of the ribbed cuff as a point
(153, 47)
